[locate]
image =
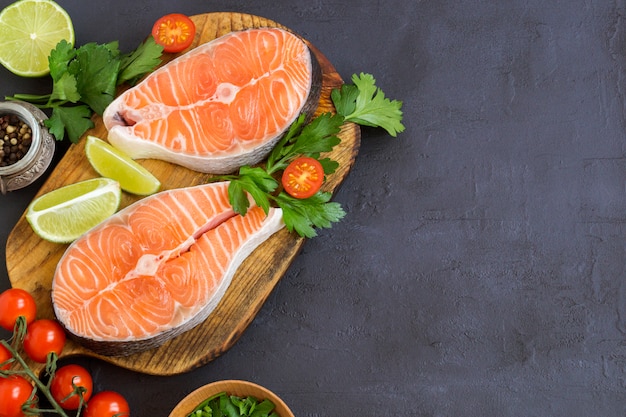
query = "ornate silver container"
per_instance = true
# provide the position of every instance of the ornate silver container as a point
(37, 160)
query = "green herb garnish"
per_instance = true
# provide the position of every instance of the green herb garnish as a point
(362, 103)
(223, 404)
(84, 81)
(365, 104)
(307, 139)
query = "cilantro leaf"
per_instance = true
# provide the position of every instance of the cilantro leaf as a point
(345, 98)
(254, 181)
(365, 104)
(58, 59)
(304, 215)
(237, 196)
(329, 165)
(65, 89)
(76, 120)
(260, 177)
(95, 69)
(140, 61)
(114, 48)
(319, 135)
(282, 148)
(64, 84)
(311, 139)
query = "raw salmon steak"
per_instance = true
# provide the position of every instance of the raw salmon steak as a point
(221, 105)
(155, 269)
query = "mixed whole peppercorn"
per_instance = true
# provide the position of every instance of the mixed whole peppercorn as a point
(15, 139)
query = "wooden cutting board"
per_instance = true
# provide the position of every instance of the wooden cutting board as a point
(31, 261)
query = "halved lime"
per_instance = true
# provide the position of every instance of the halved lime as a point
(29, 30)
(65, 214)
(110, 162)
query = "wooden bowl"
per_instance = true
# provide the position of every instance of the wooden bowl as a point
(230, 387)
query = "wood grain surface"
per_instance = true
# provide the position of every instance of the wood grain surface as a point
(31, 261)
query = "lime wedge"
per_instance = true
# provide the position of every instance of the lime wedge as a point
(64, 214)
(110, 162)
(29, 30)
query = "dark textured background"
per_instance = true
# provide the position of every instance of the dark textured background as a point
(480, 268)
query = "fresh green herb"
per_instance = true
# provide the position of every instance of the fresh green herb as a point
(304, 215)
(139, 62)
(300, 216)
(85, 79)
(257, 182)
(362, 103)
(365, 104)
(76, 120)
(226, 405)
(306, 139)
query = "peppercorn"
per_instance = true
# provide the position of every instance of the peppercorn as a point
(15, 139)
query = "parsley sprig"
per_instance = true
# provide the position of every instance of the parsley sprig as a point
(299, 215)
(362, 103)
(365, 104)
(85, 79)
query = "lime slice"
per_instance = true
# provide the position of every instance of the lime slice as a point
(64, 214)
(29, 30)
(112, 163)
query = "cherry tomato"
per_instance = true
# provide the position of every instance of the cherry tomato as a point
(5, 355)
(174, 32)
(63, 382)
(303, 177)
(107, 404)
(14, 392)
(16, 302)
(42, 337)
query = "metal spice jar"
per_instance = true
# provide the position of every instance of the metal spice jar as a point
(26, 145)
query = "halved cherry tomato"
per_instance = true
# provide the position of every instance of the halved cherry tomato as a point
(42, 337)
(107, 404)
(303, 177)
(16, 302)
(5, 355)
(14, 392)
(63, 384)
(174, 32)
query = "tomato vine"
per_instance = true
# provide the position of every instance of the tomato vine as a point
(21, 388)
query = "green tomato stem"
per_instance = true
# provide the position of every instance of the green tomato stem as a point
(43, 388)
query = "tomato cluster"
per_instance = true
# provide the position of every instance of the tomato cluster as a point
(43, 338)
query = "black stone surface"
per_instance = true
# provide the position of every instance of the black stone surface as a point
(480, 270)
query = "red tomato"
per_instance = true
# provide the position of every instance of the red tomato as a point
(63, 382)
(14, 392)
(5, 355)
(303, 177)
(174, 32)
(107, 404)
(16, 302)
(42, 337)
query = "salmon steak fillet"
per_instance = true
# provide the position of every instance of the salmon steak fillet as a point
(221, 105)
(155, 269)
